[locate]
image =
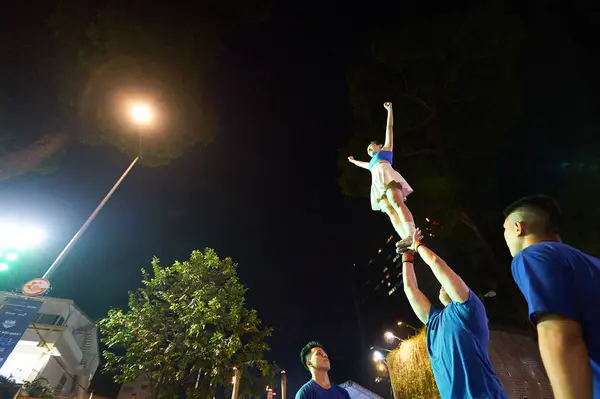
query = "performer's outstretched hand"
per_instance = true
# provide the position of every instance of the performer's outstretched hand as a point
(387, 105)
(350, 158)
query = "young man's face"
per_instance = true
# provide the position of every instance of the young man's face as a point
(318, 359)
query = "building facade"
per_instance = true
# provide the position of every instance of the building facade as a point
(61, 344)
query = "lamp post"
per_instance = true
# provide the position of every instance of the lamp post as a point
(379, 359)
(401, 323)
(390, 337)
(141, 115)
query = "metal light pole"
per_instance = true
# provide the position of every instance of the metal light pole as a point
(380, 359)
(141, 115)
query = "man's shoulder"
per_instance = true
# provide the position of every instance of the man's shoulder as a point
(305, 391)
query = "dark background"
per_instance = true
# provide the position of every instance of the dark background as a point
(265, 192)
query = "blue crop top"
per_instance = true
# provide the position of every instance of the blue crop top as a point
(381, 156)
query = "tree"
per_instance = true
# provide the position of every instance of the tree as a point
(454, 84)
(187, 326)
(8, 387)
(40, 388)
(104, 56)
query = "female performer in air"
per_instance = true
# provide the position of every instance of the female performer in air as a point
(388, 188)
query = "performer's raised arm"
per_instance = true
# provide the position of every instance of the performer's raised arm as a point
(364, 165)
(418, 301)
(454, 286)
(389, 128)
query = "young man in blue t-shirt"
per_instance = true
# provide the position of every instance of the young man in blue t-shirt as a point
(562, 287)
(457, 334)
(315, 359)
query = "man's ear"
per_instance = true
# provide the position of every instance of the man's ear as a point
(309, 364)
(520, 229)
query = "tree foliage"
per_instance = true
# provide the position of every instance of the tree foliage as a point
(102, 57)
(40, 388)
(454, 84)
(188, 323)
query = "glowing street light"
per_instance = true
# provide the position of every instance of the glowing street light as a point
(401, 323)
(141, 114)
(380, 360)
(390, 337)
(378, 357)
(18, 237)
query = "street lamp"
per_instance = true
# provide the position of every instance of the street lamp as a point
(15, 239)
(141, 114)
(390, 337)
(379, 359)
(401, 323)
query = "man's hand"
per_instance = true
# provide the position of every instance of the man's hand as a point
(408, 242)
(416, 239)
(350, 158)
(387, 105)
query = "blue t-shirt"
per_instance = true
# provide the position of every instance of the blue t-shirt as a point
(557, 278)
(312, 390)
(457, 342)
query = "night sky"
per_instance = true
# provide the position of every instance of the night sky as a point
(265, 192)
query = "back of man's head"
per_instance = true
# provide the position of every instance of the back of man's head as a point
(539, 212)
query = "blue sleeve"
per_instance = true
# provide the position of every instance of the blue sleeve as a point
(471, 312)
(546, 281)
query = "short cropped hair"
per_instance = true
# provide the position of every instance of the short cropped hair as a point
(306, 351)
(376, 142)
(543, 206)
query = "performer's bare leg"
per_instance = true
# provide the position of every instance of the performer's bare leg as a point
(395, 197)
(389, 210)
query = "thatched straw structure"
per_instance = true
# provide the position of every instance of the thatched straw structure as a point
(410, 369)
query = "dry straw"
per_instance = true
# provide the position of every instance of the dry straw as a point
(410, 369)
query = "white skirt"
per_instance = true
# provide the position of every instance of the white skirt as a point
(383, 175)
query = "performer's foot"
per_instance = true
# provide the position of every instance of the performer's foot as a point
(404, 245)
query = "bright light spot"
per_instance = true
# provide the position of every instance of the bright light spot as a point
(381, 367)
(141, 114)
(12, 236)
(3, 267)
(377, 356)
(388, 336)
(12, 256)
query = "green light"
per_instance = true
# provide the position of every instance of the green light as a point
(12, 256)
(3, 267)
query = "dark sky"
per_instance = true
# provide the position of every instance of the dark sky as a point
(265, 192)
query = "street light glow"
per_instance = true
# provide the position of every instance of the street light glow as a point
(3, 267)
(141, 114)
(21, 238)
(378, 356)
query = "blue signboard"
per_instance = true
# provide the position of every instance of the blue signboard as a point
(15, 316)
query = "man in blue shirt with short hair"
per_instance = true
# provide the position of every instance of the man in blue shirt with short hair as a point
(315, 359)
(562, 287)
(457, 334)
